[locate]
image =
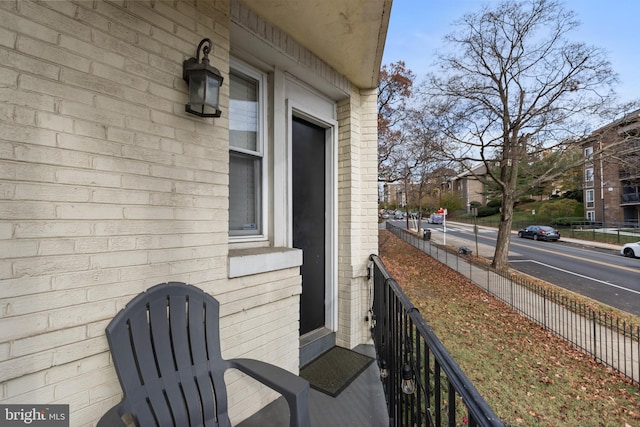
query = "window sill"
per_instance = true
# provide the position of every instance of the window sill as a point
(246, 262)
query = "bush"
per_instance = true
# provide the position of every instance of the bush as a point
(494, 203)
(451, 201)
(487, 211)
(560, 208)
(574, 194)
(525, 199)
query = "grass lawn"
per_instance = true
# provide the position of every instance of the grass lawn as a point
(527, 375)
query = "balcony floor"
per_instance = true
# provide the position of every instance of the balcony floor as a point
(361, 404)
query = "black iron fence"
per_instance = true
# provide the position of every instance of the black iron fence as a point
(630, 198)
(423, 385)
(608, 339)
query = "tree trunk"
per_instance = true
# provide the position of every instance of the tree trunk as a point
(501, 255)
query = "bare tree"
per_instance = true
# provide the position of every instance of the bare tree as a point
(394, 92)
(512, 87)
(427, 145)
(626, 140)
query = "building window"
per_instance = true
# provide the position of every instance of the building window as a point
(588, 177)
(246, 151)
(590, 198)
(591, 216)
(588, 152)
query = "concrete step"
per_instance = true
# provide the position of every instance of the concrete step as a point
(314, 344)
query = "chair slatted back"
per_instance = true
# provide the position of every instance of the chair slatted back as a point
(166, 349)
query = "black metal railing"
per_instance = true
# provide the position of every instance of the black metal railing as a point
(423, 385)
(630, 198)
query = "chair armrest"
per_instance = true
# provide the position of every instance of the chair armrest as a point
(111, 418)
(293, 388)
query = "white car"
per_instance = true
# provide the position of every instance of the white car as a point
(631, 250)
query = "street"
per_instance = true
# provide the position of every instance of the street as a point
(601, 274)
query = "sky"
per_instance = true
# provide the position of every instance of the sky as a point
(416, 29)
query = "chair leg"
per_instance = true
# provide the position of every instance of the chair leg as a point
(293, 388)
(299, 409)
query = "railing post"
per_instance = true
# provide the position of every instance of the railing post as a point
(594, 352)
(544, 308)
(452, 406)
(438, 393)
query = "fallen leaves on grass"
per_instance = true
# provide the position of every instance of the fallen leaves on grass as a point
(527, 375)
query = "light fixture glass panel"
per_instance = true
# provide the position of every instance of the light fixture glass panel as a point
(196, 88)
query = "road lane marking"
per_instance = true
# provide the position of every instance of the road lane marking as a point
(606, 264)
(512, 243)
(579, 275)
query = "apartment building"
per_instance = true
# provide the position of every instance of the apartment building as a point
(612, 172)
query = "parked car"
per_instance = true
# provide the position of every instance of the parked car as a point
(539, 232)
(435, 219)
(631, 250)
(398, 215)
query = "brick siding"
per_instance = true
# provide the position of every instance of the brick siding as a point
(108, 187)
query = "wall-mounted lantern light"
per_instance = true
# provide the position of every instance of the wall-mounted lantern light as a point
(204, 83)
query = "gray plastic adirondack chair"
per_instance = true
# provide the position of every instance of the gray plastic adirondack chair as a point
(165, 346)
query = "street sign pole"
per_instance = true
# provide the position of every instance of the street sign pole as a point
(444, 225)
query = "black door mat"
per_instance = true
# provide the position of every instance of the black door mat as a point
(332, 372)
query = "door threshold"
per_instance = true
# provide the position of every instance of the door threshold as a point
(315, 343)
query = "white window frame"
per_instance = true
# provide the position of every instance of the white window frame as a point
(262, 231)
(590, 203)
(591, 216)
(588, 177)
(588, 152)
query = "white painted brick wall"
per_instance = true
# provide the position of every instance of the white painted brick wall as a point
(357, 211)
(107, 187)
(98, 199)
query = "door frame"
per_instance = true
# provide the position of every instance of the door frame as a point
(305, 111)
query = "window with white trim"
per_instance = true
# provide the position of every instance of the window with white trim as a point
(588, 177)
(591, 216)
(246, 151)
(588, 151)
(590, 198)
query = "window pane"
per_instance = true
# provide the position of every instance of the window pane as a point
(588, 174)
(243, 112)
(588, 177)
(244, 194)
(590, 195)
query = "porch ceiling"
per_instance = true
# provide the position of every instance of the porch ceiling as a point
(348, 35)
